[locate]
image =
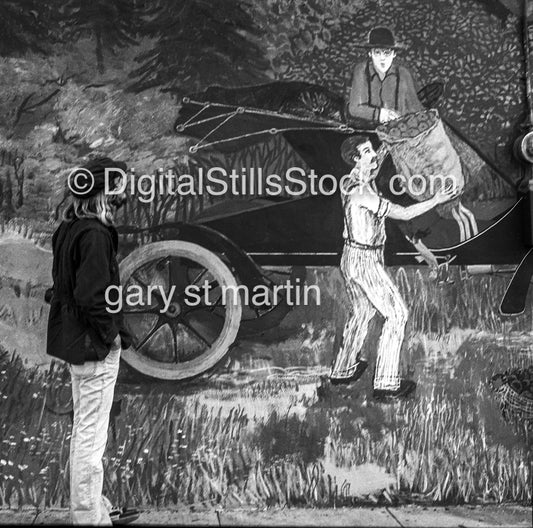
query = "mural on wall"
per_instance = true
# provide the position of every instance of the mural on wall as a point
(324, 254)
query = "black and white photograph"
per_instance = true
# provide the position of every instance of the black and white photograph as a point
(266, 262)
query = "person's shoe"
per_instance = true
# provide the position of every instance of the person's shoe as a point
(360, 367)
(124, 515)
(406, 387)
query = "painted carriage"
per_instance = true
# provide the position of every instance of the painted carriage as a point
(265, 240)
(269, 242)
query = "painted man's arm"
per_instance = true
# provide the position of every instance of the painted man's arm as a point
(381, 207)
(398, 212)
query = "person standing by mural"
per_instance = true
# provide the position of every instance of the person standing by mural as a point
(381, 90)
(370, 288)
(83, 333)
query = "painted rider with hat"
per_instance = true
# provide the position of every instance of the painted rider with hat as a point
(381, 90)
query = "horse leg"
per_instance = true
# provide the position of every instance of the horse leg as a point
(471, 218)
(461, 223)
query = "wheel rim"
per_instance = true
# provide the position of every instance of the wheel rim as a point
(184, 340)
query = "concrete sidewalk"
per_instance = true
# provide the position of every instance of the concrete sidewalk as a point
(404, 516)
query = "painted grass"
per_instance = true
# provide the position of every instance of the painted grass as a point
(465, 302)
(446, 446)
(171, 450)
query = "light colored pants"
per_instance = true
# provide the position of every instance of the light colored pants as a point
(371, 290)
(93, 384)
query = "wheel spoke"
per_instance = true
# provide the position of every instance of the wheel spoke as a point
(199, 276)
(135, 277)
(177, 274)
(160, 323)
(143, 311)
(180, 294)
(194, 332)
(176, 355)
(211, 307)
(212, 310)
(146, 286)
(212, 285)
(187, 323)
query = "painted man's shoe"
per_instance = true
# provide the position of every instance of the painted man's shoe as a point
(360, 367)
(406, 387)
(124, 515)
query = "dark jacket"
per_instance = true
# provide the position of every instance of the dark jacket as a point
(79, 326)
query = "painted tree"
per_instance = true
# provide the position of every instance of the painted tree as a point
(25, 25)
(112, 23)
(199, 42)
(7, 209)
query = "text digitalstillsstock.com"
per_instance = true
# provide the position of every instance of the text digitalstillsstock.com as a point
(217, 181)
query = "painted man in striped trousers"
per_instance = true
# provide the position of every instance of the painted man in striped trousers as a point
(370, 288)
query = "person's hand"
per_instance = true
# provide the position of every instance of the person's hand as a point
(445, 194)
(385, 114)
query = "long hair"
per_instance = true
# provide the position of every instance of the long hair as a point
(97, 206)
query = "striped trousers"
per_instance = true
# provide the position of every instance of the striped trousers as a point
(371, 291)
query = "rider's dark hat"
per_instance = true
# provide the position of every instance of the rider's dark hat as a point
(381, 37)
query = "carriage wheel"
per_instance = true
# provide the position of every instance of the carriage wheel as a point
(194, 333)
